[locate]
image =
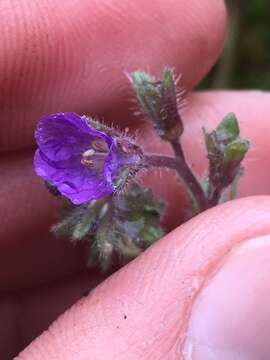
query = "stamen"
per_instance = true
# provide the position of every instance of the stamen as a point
(99, 146)
(86, 157)
(95, 156)
(88, 153)
(87, 162)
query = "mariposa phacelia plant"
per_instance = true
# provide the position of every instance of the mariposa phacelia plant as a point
(88, 164)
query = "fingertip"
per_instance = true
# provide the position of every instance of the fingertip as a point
(230, 316)
(204, 42)
(71, 56)
(144, 309)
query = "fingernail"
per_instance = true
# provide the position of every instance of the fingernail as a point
(230, 318)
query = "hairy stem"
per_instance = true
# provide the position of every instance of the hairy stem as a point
(152, 160)
(195, 189)
(214, 197)
(180, 166)
(178, 151)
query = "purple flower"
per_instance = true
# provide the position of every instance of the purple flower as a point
(83, 163)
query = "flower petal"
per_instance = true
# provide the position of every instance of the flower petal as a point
(61, 136)
(77, 182)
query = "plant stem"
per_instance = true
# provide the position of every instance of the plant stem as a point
(178, 151)
(196, 191)
(180, 166)
(152, 160)
(213, 199)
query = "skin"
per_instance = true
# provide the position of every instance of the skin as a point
(70, 56)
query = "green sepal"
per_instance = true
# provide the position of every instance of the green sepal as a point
(228, 130)
(147, 90)
(235, 152)
(101, 126)
(101, 245)
(158, 100)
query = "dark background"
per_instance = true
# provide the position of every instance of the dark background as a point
(245, 63)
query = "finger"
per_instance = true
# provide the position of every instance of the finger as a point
(26, 203)
(29, 253)
(144, 310)
(70, 56)
(32, 311)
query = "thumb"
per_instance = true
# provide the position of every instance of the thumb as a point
(200, 293)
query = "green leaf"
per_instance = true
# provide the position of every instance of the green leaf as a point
(77, 221)
(141, 213)
(117, 228)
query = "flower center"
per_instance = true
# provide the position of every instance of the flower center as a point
(95, 156)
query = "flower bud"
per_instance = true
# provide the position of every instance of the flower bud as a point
(158, 100)
(226, 150)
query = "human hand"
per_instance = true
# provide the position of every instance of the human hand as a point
(70, 56)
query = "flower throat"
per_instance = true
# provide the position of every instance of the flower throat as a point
(96, 154)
